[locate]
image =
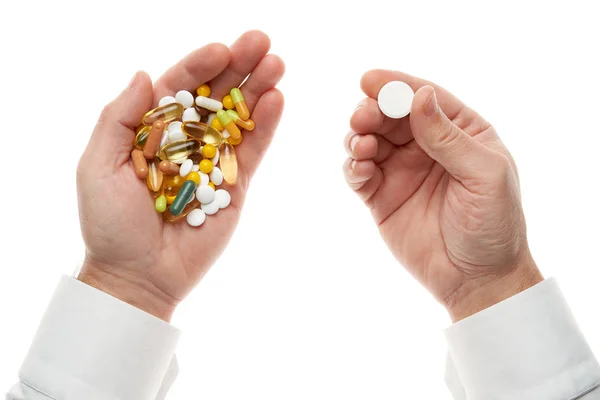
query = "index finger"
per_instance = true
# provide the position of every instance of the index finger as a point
(196, 68)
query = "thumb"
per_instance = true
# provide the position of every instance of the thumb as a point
(460, 154)
(113, 136)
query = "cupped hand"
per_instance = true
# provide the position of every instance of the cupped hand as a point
(131, 253)
(444, 192)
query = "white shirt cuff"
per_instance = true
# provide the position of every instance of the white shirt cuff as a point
(93, 346)
(526, 347)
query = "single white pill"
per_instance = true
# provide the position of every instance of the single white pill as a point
(174, 126)
(209, 104)
(185, 98)
(222, 197)
(211, 116)
(204, 179)
(166, 100)
(205, 194)
(216, 176)
(196, 217)
(176, 136)
(190, 114)
(395, 99)
(186, 167)
(210, 208)
(225, 133)
(215, 159)
(196, 168)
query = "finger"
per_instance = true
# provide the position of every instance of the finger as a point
(368, 118)
(112, 139)
(460, 154)
(266, 116)
(364, 177)
(246, 53)
(198, 67)
(265, 76)
(365, 147)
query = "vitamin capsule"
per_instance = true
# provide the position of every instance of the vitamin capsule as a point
(186, 168)
(160, 204)
(212, 185)
(209, 104)
(216, 124)
(228, 102)
(203, 90)
(182, 198)
(196, 217)
(234, 141)
(139, 163)
(205, 194)
(155, 177)
(222, 197)
(168, 168)
(216, 176)
(227, 121)
(229, 166)
(141, 137)
(193, 205)
(172, 185)
(190, 115)
(247, 124)
(206, 166)
(179, 150)
(166, 100)
(203, 132)
(185, 98)
(240, 104)
(166, 114)
(209, 150)
(171, 199)
(210, 208)
(193, 176)
(153, 141)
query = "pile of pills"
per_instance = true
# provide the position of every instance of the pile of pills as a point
(185, 148)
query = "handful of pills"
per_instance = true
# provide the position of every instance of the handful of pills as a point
(184, 149)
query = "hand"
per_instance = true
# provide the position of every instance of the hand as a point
(131, 253)
(444, 192)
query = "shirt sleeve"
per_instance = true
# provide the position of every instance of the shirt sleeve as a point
(93, 346)
(526, 347)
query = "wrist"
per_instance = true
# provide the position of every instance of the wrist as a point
(481, 293)
(129, 288)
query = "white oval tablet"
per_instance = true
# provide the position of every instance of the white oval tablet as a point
(222, 197)
(210, 208)
(215, 159)
(166, 100)
(395, 99)
(196, 217)
(205, 194)
(174, 126)
(216, 176)
(186, 167)
(185, 98)
(190, 115)
(196, 168)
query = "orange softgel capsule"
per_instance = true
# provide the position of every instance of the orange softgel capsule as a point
(178, 150)
(228, 162)
(203, 132)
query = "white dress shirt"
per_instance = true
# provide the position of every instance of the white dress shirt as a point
(95, 347)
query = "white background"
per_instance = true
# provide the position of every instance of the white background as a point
(306, 302)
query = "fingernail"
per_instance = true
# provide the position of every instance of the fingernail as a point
(353, 142)
(353, 164)
(431, 105)
(362, 103)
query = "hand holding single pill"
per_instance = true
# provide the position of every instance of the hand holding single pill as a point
(443, 189)
(131, 252)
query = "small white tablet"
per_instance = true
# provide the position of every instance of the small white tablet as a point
(395, 99)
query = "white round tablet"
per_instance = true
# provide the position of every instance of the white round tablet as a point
(190, 115)
(174, 126)
(395, 99)
(222, 197)
(166, 100)
(210, 208)
(185, 98)
(196, 217)
(205, 194)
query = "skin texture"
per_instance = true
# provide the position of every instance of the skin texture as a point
(130, 252)
(444, 192)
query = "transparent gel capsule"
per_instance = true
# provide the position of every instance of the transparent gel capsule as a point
(166, 114)
(203, 132)
(154, 179)
(178, 150)
(228, 163)
(167, 216)
(141, 137)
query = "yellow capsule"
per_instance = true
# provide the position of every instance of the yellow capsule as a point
(193, 176)
(247, 124)
(206, 166)
(154, 180)
(203, 132)
(240, 104)
(203, 90)
(228, 102)
(141, 137)
(170, 199)
(234, 141)
(178, 150)
(227, 121)
(166, 114)
(228, 163)
(209, 151)
(216, 124)
(212, 185)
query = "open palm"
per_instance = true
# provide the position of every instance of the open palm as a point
(441, 186)
(124, 236)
